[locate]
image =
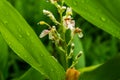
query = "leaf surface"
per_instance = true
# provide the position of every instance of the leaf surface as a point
(24, 42)
(102, 13)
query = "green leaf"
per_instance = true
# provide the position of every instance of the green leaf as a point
(3, 58)
(77, 49)
(68, 35)
(102, 13)
(107, 71)
(31, 74)
(24, 42)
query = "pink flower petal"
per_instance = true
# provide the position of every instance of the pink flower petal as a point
(44, 33)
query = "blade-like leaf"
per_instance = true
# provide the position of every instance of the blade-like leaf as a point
(107, 71)
(22, 39)
(3, 58)
(31, 74)
(77, 49)
(102, 13)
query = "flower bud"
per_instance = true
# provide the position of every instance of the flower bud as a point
(44, 33)
(72, 74)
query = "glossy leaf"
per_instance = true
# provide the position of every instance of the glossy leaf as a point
(24, 42)
(105, 15)
(107, 71)
(3, 58)
(102, 13)
(31, 74)
(78, 48)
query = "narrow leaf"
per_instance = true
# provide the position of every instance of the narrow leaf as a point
(3, 58)
(24, 42)
(78, 48)
(107, 71)
(102, 13)
(32, 74)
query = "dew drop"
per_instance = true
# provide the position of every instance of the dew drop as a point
(80, 35)
(52, 70)
(19, 29)
(25, 56)
(86, 8)
(103, 19)
(9, 43)
(28, 33)
(41, 55)
(82, 1)
(5, 22)
(75, 3)
(40, 65)
(20, 36)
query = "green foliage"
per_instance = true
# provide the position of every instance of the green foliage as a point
(32, 74)
(23, 40)
(97, 45)
(101, 13)
(3, 59)
(78, 48)
(107, 71)
(104, 16)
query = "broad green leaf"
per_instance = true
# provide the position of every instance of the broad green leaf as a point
(3, 58)
(68, 36)
(102, 13)
(107, 71)
(24, 42)
(31, 74)
(77, 49)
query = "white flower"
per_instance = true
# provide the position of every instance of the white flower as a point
(68, 22)
(51, 16)
(50, 32)
(80, 35)
(44, 33)
(69, 11)
(79, 32)
(46, 12)
(63, 7)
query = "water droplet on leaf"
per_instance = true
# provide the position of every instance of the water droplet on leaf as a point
(41, 55)
(28, 33)
(52, 70)
(75, 3)
(82, 1)
(20, 36)
(9, 43)
(5, 22)
(103, 19)
(80, 35)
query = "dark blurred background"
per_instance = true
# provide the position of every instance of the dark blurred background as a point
(98, 45)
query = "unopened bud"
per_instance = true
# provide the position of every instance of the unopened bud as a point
(63, 7)
(46, 12)
(42, 22)
(79, 31)
(44, 33)
(72, 74)
(53, 1)
(72, 45)
(69, 11)
(79, 54)
(80, 35)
